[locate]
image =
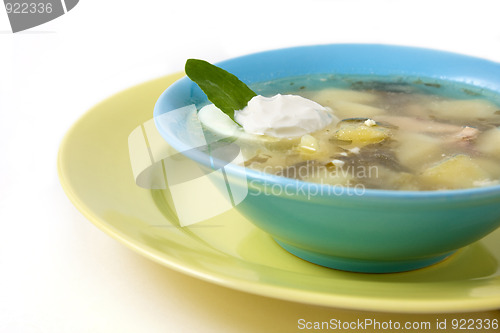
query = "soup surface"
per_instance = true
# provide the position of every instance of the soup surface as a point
(393, 133)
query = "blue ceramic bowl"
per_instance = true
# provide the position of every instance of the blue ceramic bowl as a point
(344, 228)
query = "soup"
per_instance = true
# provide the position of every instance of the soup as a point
(393, 134)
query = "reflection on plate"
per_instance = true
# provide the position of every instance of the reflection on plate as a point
(95, 172)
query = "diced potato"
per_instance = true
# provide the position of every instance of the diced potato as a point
(463, 109)
(361, 134)
(459, 171)
(489, 142)
(327, 97)
(308, 144)
(312, 148)
(345, 109)
(415, 149)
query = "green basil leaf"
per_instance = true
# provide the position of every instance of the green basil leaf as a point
(222, 88)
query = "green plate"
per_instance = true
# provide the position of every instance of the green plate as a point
(95, 171)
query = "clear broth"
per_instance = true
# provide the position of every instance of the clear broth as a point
(428, 134)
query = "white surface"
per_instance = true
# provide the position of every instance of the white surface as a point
(59, 273)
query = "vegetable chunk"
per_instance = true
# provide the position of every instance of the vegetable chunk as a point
(464, 109)
(360, 133)
(459, 171)
(415, 149)
(489, 142)
(329, 96)
(344, 109)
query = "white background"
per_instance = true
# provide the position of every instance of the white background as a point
(59, 273)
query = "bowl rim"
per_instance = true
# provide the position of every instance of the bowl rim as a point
(270, 179)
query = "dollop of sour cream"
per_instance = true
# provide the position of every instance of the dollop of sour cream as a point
(283, 116)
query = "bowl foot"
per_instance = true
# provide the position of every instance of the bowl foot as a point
(362, 266)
